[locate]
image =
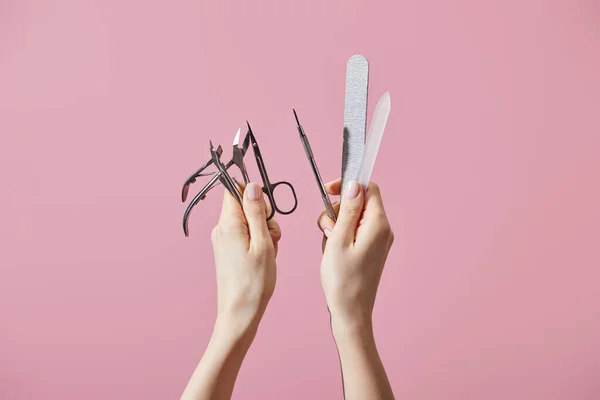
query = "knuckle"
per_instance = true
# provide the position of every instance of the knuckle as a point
(321, 219)
(379, 215)
(385, 229)
(255, 212)
(276, 237)
(353, 209)
(373, 188)
(276, 234)
(214, 234)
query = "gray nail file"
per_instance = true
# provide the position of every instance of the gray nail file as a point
(355, 116)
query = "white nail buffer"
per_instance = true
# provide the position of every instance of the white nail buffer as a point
(355, 116)
(380, 117)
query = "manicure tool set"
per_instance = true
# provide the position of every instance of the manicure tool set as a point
(358, 157)
(235, 188)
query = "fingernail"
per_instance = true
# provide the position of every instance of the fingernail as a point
(351, 190)
(254, 191)
(326, 232)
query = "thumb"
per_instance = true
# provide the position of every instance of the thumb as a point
(255, 211)
(351, 208)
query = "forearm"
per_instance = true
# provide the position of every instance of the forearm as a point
(215, 375)
(363, 373)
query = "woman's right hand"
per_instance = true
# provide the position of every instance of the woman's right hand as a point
(355, 251)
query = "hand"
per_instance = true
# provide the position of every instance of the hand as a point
(355, 251)
(245, 246)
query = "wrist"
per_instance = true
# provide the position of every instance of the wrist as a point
(351, 338)
(229, 338)
(236, 327)
(351, 326)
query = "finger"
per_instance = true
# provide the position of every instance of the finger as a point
(268, 207)
(374, 217)
(255, 211)
(390, 240)
(334, 188)
(325, 223)
(241, 185)
(231, 210)
(373, 200)
(350, 212)
(274, 230)
(374, 223)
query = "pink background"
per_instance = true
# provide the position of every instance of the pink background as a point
(489, 170)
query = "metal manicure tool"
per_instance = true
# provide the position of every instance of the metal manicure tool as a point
(358, 158)
(223, 177)
(313, 165)
(268, 187)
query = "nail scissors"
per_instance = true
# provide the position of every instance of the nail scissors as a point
(268, 187)
(223, 177)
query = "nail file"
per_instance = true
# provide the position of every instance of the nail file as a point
(380, 117)
(355, 116)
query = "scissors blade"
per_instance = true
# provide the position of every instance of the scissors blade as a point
(246, 143)
(236, 139)
(252, 140)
